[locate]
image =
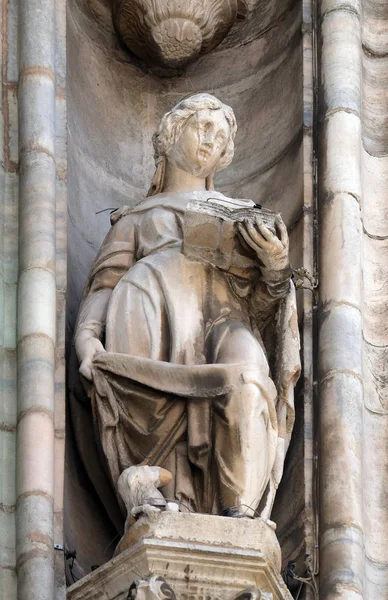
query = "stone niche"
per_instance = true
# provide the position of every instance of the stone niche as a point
(114, 104)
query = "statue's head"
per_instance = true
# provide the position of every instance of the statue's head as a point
(197, 135)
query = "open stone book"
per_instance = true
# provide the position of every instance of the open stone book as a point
(211, 233)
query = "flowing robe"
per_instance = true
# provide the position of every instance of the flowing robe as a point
(200, 365)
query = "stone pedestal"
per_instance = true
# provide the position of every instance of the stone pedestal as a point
(201, 557)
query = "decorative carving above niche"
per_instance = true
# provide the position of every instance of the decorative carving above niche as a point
(171, 33)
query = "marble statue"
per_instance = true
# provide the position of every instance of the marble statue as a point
(187, 334)
(138, 488)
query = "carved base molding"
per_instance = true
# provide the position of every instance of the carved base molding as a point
(201, 557)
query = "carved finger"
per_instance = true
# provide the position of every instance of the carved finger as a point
(265, 232)
(246, 237)
(282, 230)
(256, 236)
(85, 369)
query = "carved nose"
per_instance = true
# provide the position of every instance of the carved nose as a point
(207, 139)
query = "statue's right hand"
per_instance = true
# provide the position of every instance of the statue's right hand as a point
(89, 348)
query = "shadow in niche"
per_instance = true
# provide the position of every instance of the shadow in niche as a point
(114, 105)
(289, 503)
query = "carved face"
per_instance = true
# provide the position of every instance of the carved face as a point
(201, 143)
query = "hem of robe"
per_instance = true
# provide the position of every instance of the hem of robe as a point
(193, 381)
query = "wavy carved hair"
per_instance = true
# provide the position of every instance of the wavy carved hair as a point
(171, 127)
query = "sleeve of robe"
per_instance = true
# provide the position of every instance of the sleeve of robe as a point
(115, 257)
(275, 314)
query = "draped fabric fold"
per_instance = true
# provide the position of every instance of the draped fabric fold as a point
(196, 378)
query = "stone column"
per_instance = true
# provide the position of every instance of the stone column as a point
(375, 293)
(36, 301)
(340, 340)
(8, 287)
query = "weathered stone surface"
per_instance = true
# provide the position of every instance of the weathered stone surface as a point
(375, 270)
(176, 33)
(329, 6)
(375, 185)
(341, 450)
(375, 494)
(375, 305)
(343, 561)
(375, 377)
(151, 588)
(199, 556)
(340, 241)
(375, 34)
(110, 150)
(340, 333)
(8, 293)
(341, 138)
(257, 69)
(138, 488)
(375, 99)
(341, 60)
(340, 340)
(233, 453)
(157, 588)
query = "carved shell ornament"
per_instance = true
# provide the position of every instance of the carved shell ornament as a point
(172, 33)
